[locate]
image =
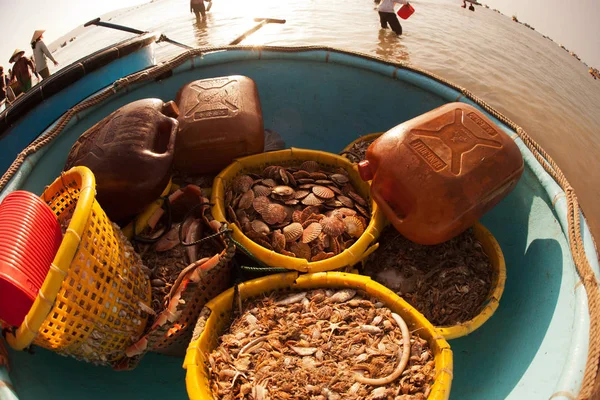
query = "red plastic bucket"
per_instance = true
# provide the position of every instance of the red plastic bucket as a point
(30, 236)
(405, 11)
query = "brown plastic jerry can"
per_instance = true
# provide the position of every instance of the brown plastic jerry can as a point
(435, 175)
(220, 120)
(131, 155)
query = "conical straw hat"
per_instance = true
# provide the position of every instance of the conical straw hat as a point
(17, 51)
(37, 34)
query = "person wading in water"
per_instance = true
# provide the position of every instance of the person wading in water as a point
(387, 15)
(197, 7)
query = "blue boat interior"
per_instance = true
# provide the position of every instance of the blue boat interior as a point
(534, 346)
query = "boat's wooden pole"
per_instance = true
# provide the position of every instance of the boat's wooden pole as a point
(123, 28)
(261, 23)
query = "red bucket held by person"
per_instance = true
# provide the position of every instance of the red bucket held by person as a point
(405, 11)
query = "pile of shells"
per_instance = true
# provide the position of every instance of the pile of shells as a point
(322, 345)
(358, 151)
(449, 282)
(305, 212)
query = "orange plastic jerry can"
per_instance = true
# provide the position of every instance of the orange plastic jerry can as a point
(435, 175)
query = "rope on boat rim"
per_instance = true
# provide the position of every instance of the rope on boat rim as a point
(591, 377)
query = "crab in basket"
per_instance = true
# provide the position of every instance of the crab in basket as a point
(305, 212)
(186, 254)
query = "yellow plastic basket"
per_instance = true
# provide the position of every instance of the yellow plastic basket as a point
(494, 252)
(88, 306)
(367, 137)
(289, 157)
(216, 316)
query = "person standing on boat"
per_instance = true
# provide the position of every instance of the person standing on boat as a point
(387, 15)
(197, 7)
(22, 70)
(40, 52)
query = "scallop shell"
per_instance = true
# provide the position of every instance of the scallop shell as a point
(297, 216)
(323, 240)
(332, 226)
(311, 200)
(324, 182)
(260, 204)
(346, 201)
(242, 216)
(344, 212)
(246, 200)
(269, 182)
(340, 179)
(310, 166)
(270, 171)
(362, 210)
(231, 215)
(310, 220)
(354, 196)
(311, 232)
(307, 212)
(228, 197)
(335, 189)
(333, 203)
(353, 226)
(291, 179)
(305, 183)
(260, 227)
(274, 214)
(287, 253)
(292, 202)
(283, 191)
(321, 256)
(301, 174)
(264, 243)
(283, 176)
(293, 231)
(252, 235)
(334, 245)
(323, 192)
(242, 183)
(289, 211)
(300, 194)
(318, 175)
(301, 250)
(278, 240)
(260, 190)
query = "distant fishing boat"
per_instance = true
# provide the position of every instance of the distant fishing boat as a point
(537, 343)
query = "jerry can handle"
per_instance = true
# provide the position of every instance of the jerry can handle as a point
(167, 126)
(387, 210)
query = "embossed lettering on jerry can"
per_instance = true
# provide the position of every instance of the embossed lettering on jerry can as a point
(130, 153)
(435, 175)
(220, 120)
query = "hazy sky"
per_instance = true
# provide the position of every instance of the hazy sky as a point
(574, 23)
